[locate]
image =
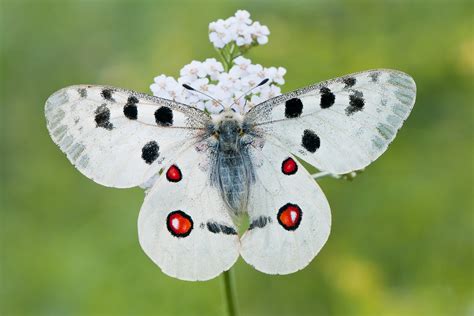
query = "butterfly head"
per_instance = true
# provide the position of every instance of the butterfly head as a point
(228, 130)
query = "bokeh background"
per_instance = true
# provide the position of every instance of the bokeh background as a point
(402, 234)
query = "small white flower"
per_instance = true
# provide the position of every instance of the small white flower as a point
(162, 85)
(243, 34)
(216, 25)
(276, 74)
(218, 39)
(176, 92)
(243, 40)
(243, 17)
(212, 68)
(234, 72)
(262, 75)
(250, 81)
(229, 81)
(220, 92)
(269, 91)
(162, 81)
(193, 70)
(201, 84)
(260, 32)
(191, 97)
(230, 22)
(257, 70)
(242, 62)
(254, 100)
(219, 33)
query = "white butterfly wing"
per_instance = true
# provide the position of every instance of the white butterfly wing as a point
(118, 137)
(339, 125)
(290, 218)
(184, 226)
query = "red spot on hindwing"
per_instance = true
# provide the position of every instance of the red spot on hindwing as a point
(174, 174)
(289, 166)
(179, 223)
(289, 216)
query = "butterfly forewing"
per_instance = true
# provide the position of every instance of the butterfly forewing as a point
(119, 137)
(342, 124)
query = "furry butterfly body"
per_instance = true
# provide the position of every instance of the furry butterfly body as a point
(203, 170)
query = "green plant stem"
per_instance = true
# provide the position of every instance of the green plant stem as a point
(229, 288)
(223, 59)
(227, 55)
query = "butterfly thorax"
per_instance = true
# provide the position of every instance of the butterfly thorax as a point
(233, 168)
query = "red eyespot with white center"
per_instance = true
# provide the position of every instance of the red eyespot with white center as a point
(289, 166)
(173, 174)
(289, 216)
(179, 223)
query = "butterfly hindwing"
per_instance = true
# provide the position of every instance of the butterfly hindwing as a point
(184, 225)
(339, 125)
(289, 215)
(119, 137)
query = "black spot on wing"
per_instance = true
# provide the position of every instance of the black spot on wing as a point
(82, 92)
(356, 103)
(327, 97)
(102, 117)
(130, 109)
(349, 82)
(293, 108)
(107, 94)
(150, 152)
(374, 76)
(260, 222)
(164, 116)
(310, 141)
(228, 230)
(213, 227)
(219, 228)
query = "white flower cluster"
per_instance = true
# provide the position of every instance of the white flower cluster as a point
(226, 80)
(209, 77)
(239, 29)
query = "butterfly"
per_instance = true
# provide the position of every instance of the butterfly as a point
(203, 171)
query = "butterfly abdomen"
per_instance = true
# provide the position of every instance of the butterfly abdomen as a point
(232, 168)
(233, 174)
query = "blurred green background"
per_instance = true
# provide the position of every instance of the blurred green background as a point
(402, 234)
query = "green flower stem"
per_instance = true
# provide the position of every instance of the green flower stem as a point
(229, 288)
(231, 49)
(227, 55)
(222, 58)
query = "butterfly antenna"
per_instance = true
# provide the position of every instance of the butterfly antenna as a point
(188, 87)
(264, 81)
